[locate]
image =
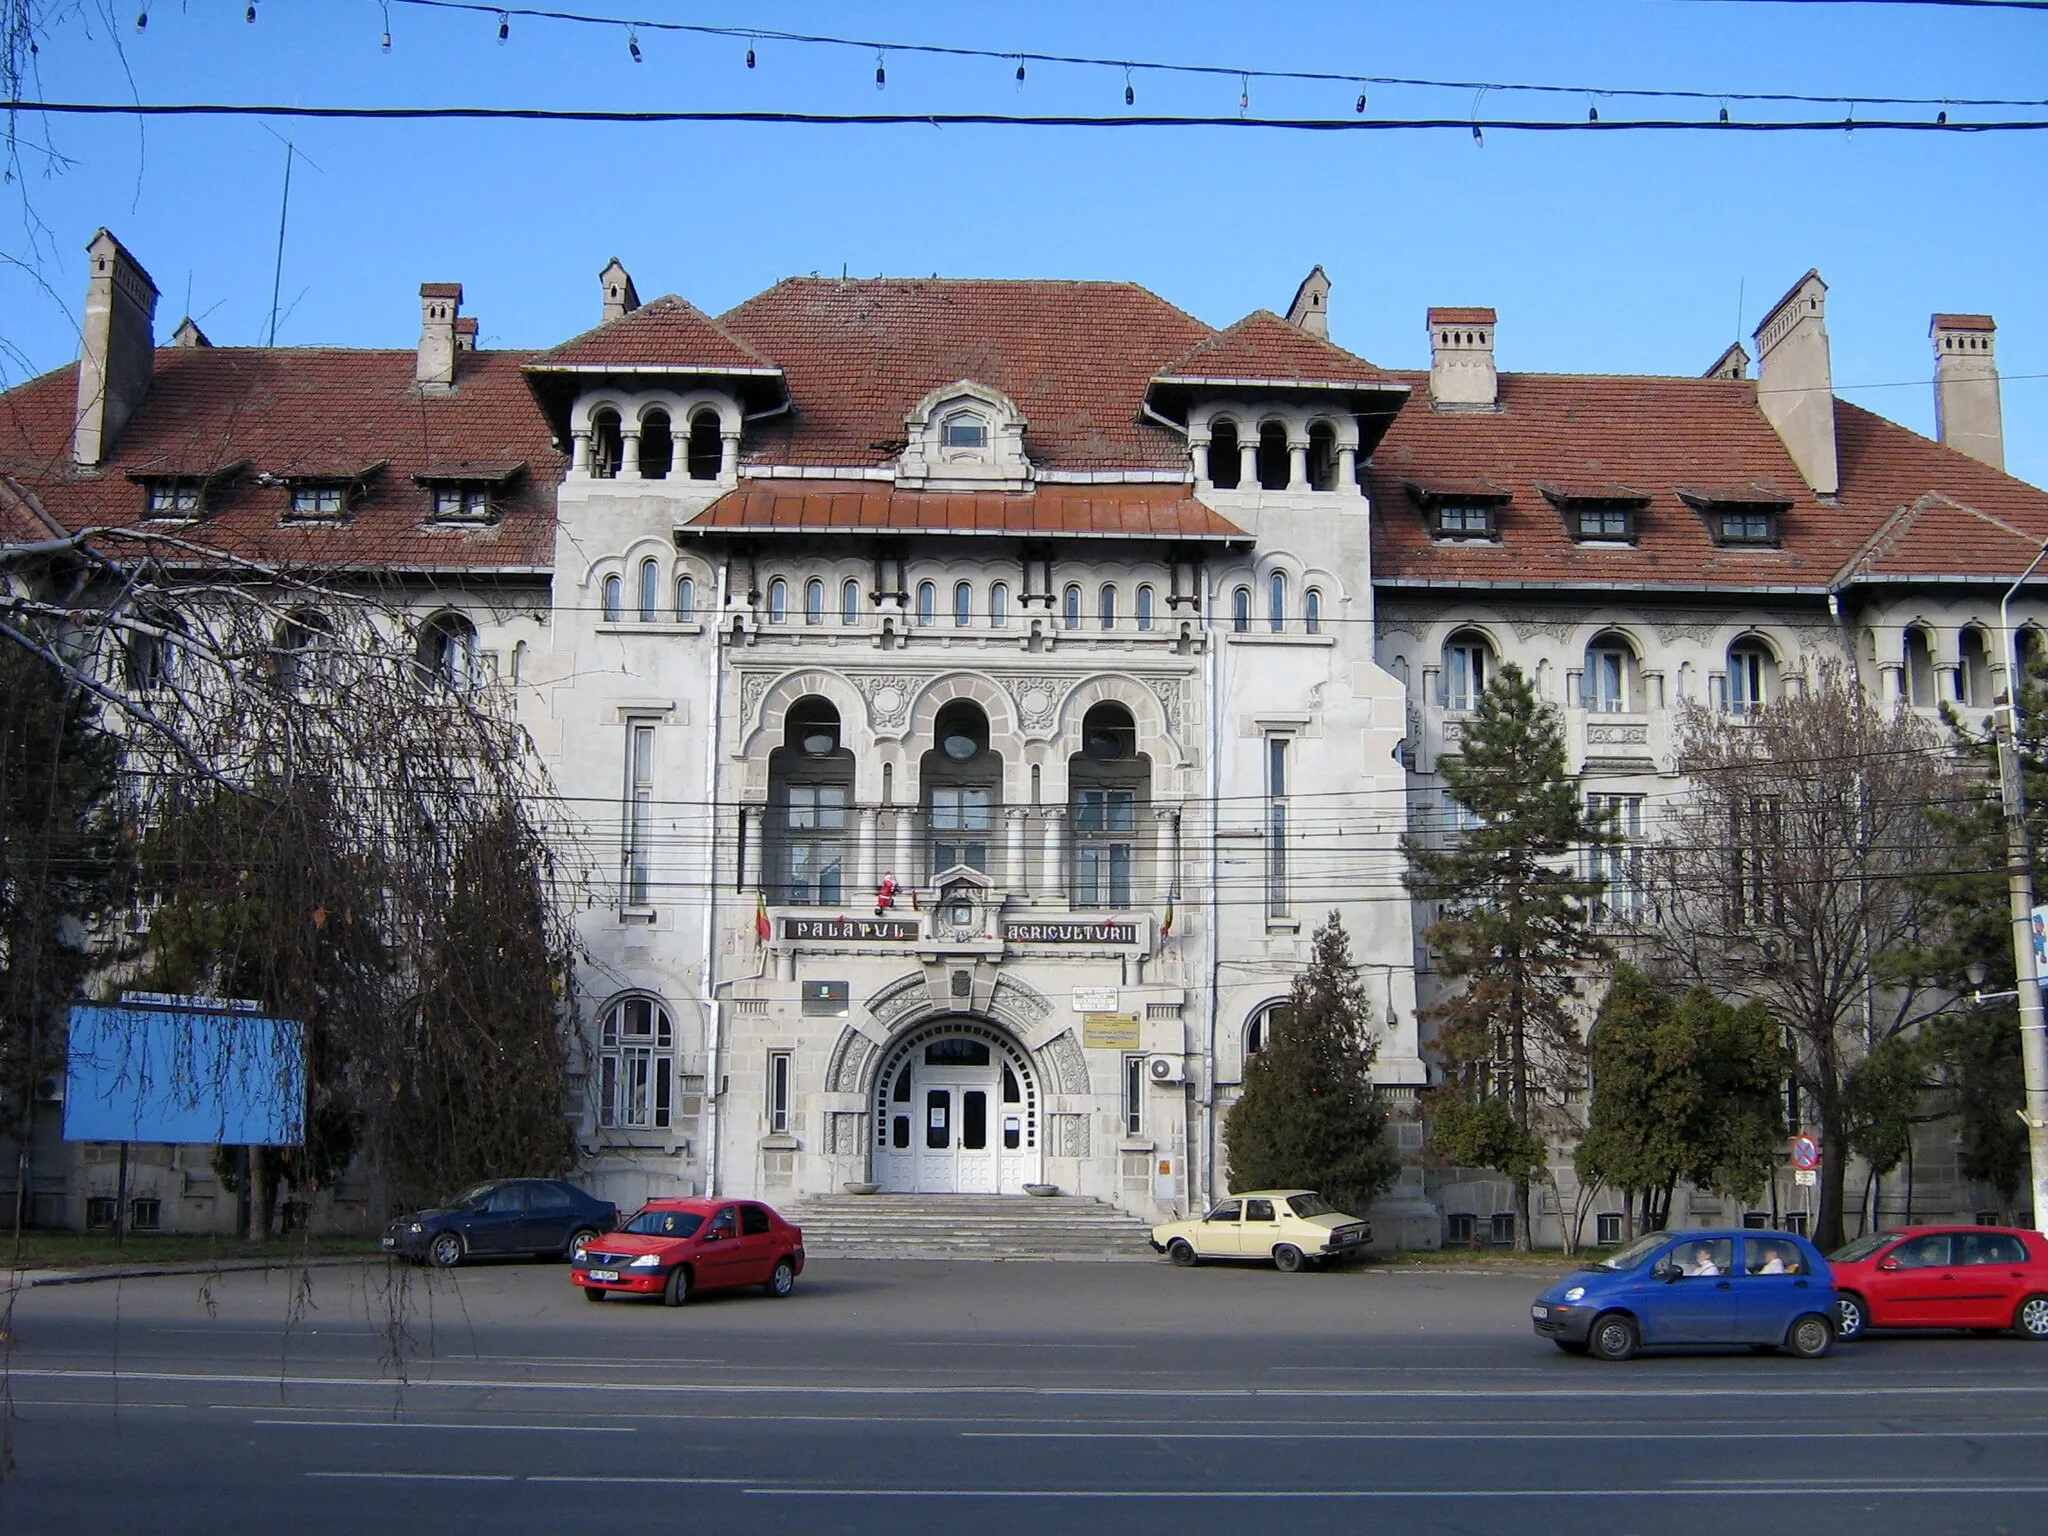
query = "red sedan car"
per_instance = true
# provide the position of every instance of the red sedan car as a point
(1986, 1279)
(675, 1248)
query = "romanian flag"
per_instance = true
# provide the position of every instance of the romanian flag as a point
(1166, 922)
(761, 928)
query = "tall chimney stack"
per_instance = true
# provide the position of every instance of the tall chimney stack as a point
(1966, 411)
(1461, 372)
(621, 298)
(117, 348)
(1310, 310)
(1795, 386)
(440, 303)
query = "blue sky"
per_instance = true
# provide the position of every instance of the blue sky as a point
(1621, 253)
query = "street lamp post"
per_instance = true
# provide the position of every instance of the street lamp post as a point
(2020, 886)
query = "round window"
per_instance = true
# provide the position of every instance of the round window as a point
(959, 746)
(820, 741)
(1105, 746)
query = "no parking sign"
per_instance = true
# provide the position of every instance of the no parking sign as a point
(1805, 1153)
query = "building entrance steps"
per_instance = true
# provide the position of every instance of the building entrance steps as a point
(968, 1227)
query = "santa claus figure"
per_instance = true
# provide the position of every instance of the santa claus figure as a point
(885, 894)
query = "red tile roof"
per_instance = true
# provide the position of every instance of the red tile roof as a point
(291, 411)
(1964, 323)
(1264, 348)
(1465, 316)
(858, 354)
(668, 333)
(1057, 511)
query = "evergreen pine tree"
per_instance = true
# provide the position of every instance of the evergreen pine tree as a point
(1309, 1117)
(1514, 928)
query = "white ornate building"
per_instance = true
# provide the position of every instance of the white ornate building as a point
(913, 650)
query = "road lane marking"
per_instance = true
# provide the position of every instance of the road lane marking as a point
(550, 1429)
(609, 1480)
(423, 1477)
(1876, 1431)
(1692, 1494)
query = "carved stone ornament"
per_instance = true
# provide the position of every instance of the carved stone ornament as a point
(1037, 701)
(1168, 691)
(1068, 1064)
(888, 696)
(753, 687)
(1070, 1135)
(1617, 735)
(846, 1132)
(1454, 730)
(849, 1057)
(1019, 1002)
(898, 998)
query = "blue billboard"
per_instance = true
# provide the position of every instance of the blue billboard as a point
(168, 1069)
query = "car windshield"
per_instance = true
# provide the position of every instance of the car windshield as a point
(1310, 1205)
(471, 1196)
(664, 1223)
(1637, 1251)
(1862, 1248)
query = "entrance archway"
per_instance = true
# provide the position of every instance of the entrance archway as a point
(956, 1112)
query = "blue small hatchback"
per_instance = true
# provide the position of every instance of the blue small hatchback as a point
(1769, 1290)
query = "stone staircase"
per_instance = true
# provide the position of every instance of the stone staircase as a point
(968, 1227)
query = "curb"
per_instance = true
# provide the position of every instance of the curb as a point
(31, 1279)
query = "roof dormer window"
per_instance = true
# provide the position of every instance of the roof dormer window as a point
(964, 430)
(1740, 516)
(462, 503)
(1748, 528)
(964, 436)
(317, 501)
(1463, 520)
(174, 498)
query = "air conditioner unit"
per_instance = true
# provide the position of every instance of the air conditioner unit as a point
(1167, 1069)
(50, 1090)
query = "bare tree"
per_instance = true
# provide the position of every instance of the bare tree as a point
(1793, 873)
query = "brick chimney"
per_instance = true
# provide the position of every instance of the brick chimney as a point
(1966, 411)
(439, 305)
(621, 298)
(1795, 386)
(1461, 371)
(117, 348)
(465, 333)
(1310, 310)
(1732, 364)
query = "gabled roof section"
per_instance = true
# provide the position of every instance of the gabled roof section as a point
(1110, 511)
(666, 335)
(1934, 537)
(1264, 351)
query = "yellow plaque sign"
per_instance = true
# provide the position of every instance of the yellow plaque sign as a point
(1112, 1031)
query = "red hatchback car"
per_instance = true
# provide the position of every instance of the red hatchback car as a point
(675, 1248)
(1986, 1279)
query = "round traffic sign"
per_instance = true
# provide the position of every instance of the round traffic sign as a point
(1805, 1152)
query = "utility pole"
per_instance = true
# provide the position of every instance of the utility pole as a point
(2020, 884)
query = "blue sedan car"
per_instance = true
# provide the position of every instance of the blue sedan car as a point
(1769, 1290)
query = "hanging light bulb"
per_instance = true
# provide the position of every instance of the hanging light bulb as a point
(384, 43)
(504, 25)
(1592, 114)
(1244, 93)
(881, 73)
(250, 14)
(750, 58)
(1361, 103)
(1020, 71)
(1724, 114)
(142, 20)
(1478, 137)
(1130, 92)
(633, 45)
(1941, 118)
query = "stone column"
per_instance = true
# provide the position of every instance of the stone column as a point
(579, 453)
(1055, 882)
(865, 876)
(728, 455)
(1198, 449)
(1248, 462)
(906, 847)
(1347, 469)
(1297, 464)
(1016, 874)
(1169, 872)
(1893, 684)
(1948, 679)
(629, 453)
(752, 821)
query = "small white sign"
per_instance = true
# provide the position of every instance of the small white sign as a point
(1807, 1176)
(1095, 1000)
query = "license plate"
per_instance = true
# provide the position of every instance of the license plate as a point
(1346, 1237)
(390, 1242)
(1539, 1312)
(604, 1274)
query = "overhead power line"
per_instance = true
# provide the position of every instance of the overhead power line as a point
(632, 26)
(1474, 126)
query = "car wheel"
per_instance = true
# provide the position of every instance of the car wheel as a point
(591, 1293)
(445, 1252)
(1182, 1252)
(1850, 1317)
(2032, 1318)
(1614, 1337)
(1287, 1259)
(1811, 1336)
(782, 1281)
(1570, 1346)
(579, 1240)
(677, 1291)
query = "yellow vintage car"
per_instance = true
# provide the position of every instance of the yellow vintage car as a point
(1290, 1227)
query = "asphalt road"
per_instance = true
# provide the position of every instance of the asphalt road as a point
(990, 1397)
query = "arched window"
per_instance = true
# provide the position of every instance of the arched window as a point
(962, 781)
(636, 1066)
(1919, 657)
(2029, 647)
(814, 601)
(650, 591)
(1107, 607)
(1110, 784)
(1752, 677)
(1144, 601)
(849, 601)
(1276, 601)
(447, 652)
(1468, 668)
(1273, 457)
(607, 444)
(778, 601)
(704, 455)
(1322, 457)
(657, 446)
(927, 602)
(686, 600)
(963, 604)
(152, 660)
(304, 643)
(613, 599)
(1973, 674)
(1258, 1029)
(1223, 455)
(1312, 611)
(1609, 683)
(1071, 607)
(810, 785)
(1241, 610)
(963, 431)
(999, 604)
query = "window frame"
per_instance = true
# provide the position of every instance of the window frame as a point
(1241, 610)
(1276, 601)
(963, 604)
(927, 604)
(999, 605)
(778, 601)
(650, 1103)
(1455, 520)
(1467, 644)
(1278, 770)
(319, 492)
(1745, 529)
(650, 590)
(1070, 607)
(1134, 1093)
(686, 598)
(1141, 610)
(780, 1085)
(637, 822)
(1105, 606)
(849, 602)
(814, 601)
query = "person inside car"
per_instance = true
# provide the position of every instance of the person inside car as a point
(1703, 1260)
